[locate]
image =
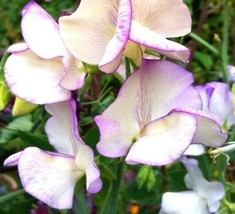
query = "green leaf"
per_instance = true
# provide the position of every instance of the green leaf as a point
(37, 140)
(146, 177)
(23, 123)
(205, 60)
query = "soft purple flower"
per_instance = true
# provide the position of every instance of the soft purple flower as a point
(204, 196)
(100, 32)
(155, 117)
(218, 100)
(41, 70)
(49, 176)
(231, 73)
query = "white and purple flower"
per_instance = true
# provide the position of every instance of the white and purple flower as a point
(156, 117)
(42, 70)
(101, 32)
(203, 198)
(49, 176)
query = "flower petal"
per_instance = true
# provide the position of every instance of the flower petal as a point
(49, 177)
(60, 126)
(74, 76)
(209, 132)
(163, 141)
(12, 160)
(118, 42)
(34, 79)
(218, 100)
(143, 36)
(120, 123)
(183, 203)
(41, 32)
(18, 47)
(211, 191)
(166, 18)
(195, 149)
(63, 135)
(86, 33)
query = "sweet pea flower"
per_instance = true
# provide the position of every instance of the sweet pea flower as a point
(49, 176)
(203, 198)
(231, 72)
(218, 100)
(101, 32)
(41, 70)
(155, 117)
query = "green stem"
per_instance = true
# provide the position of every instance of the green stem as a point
(127, 67)
(11, 195)
(225, 42)
(204, 43)
(111, 200)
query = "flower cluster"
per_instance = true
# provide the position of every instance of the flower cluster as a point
(157, 117)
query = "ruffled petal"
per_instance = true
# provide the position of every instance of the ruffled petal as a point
(149, 97)
(60, 126)
(118, 42)
(86, 33)
(209, 132)
(41, 32)
(49, 177)
(218, 100)
(63, 135)
(75, 74)
(85, 161)
(212, 192)
(166, 18)
(34, 79)
(163, 141)
(183, 203)
(143, 36)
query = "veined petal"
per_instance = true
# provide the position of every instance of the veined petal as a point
(86, 33)
(60, 127)
(74, 76)
(119, 126)
(210, 191)
(34, 79)
(149, 97)
(12, 160)
(183, 203)
(143, 36)
(41, 32)
(209, 131)
(63, 135)
(118, 42)
(49, 177)
(156, 98)
(163, 141)
(166, 18)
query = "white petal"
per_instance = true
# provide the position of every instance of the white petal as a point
(183, 203)
(163, 141)
(212, 192)
(34, 79)
(49, 177)
(60, 127)
(41, 32)
(143, 36)
(74, 76)
(89, 39)
(167, 18)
